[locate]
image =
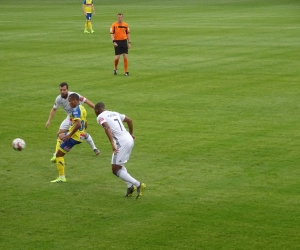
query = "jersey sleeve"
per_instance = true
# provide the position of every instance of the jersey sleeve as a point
(57, 103)
(112, 29)
(122, 117)
(76, 114)
(82, 99)
(100, 120)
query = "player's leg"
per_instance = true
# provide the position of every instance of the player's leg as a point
(124, 51)
(60, 164)
(119, 169)
(89, 17)
(125, 57)
(124, 175)
(64, 148)
(130, 187)
(132, 183)
(86, 25)
(116, 60)
(64, 126)
(90, 141)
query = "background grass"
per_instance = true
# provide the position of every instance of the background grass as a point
(214, 95)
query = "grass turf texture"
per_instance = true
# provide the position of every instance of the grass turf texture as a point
(214, 95)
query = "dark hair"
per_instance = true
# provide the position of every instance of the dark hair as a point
(74, 96)
(120, 14)
(63, 84)
(100, 105)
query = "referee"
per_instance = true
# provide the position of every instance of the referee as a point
(120, 36)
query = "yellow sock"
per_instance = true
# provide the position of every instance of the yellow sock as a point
(58, 142)
(86, 25)
(60, 164)
(90, 25)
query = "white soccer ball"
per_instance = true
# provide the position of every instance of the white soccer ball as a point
(18, 144)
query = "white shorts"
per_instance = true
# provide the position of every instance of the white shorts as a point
(124, 153)
(65, 124)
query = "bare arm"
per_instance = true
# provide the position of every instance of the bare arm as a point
(130, 126)
(76, 127)
(51, 115)
(93, 8)
(109, 136)
(128, 40)
(83, 10)
(88, 102)
(113, 38)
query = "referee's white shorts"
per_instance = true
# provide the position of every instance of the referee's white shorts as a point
(65, 124)
(124, 153)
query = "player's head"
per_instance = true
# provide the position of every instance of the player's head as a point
(99, 108)
(120, 17)
(64, 89)
(73, 100)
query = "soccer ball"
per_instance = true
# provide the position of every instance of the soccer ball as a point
(18, 144)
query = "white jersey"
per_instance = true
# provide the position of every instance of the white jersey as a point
(115, 122)
(59, 101)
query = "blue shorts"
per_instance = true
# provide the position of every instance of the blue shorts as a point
(88, 16)
(66, 146)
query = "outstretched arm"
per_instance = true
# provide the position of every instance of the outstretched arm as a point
(88, 102)
(52, 113)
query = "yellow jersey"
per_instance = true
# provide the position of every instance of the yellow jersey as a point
(78, 113)
(88, 5)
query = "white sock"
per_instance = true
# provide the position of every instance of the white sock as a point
(90, 141)
(127, 183)
(126, 177)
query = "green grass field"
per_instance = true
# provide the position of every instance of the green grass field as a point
(214, 96)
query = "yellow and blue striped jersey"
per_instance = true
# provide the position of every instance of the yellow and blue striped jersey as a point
(88, 5)
(78, 113)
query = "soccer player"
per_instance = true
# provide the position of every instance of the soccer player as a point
(88, 8)
(75, 135)
(122, 143)
(62, 100)
(120, 36)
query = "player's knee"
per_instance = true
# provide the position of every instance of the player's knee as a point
(86, 136)
(116, 169)
(59, 153)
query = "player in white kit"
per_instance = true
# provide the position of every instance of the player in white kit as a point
(62, 100)
(122, 143)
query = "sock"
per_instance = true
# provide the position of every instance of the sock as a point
(90, 25)
(126, 177)
(127, 183)
(125, 65)
(58, 142)
(60, 164)
(86, 25)
(116, 63)
(90, 141)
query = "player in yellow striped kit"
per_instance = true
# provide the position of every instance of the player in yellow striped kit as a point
(88, 8)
